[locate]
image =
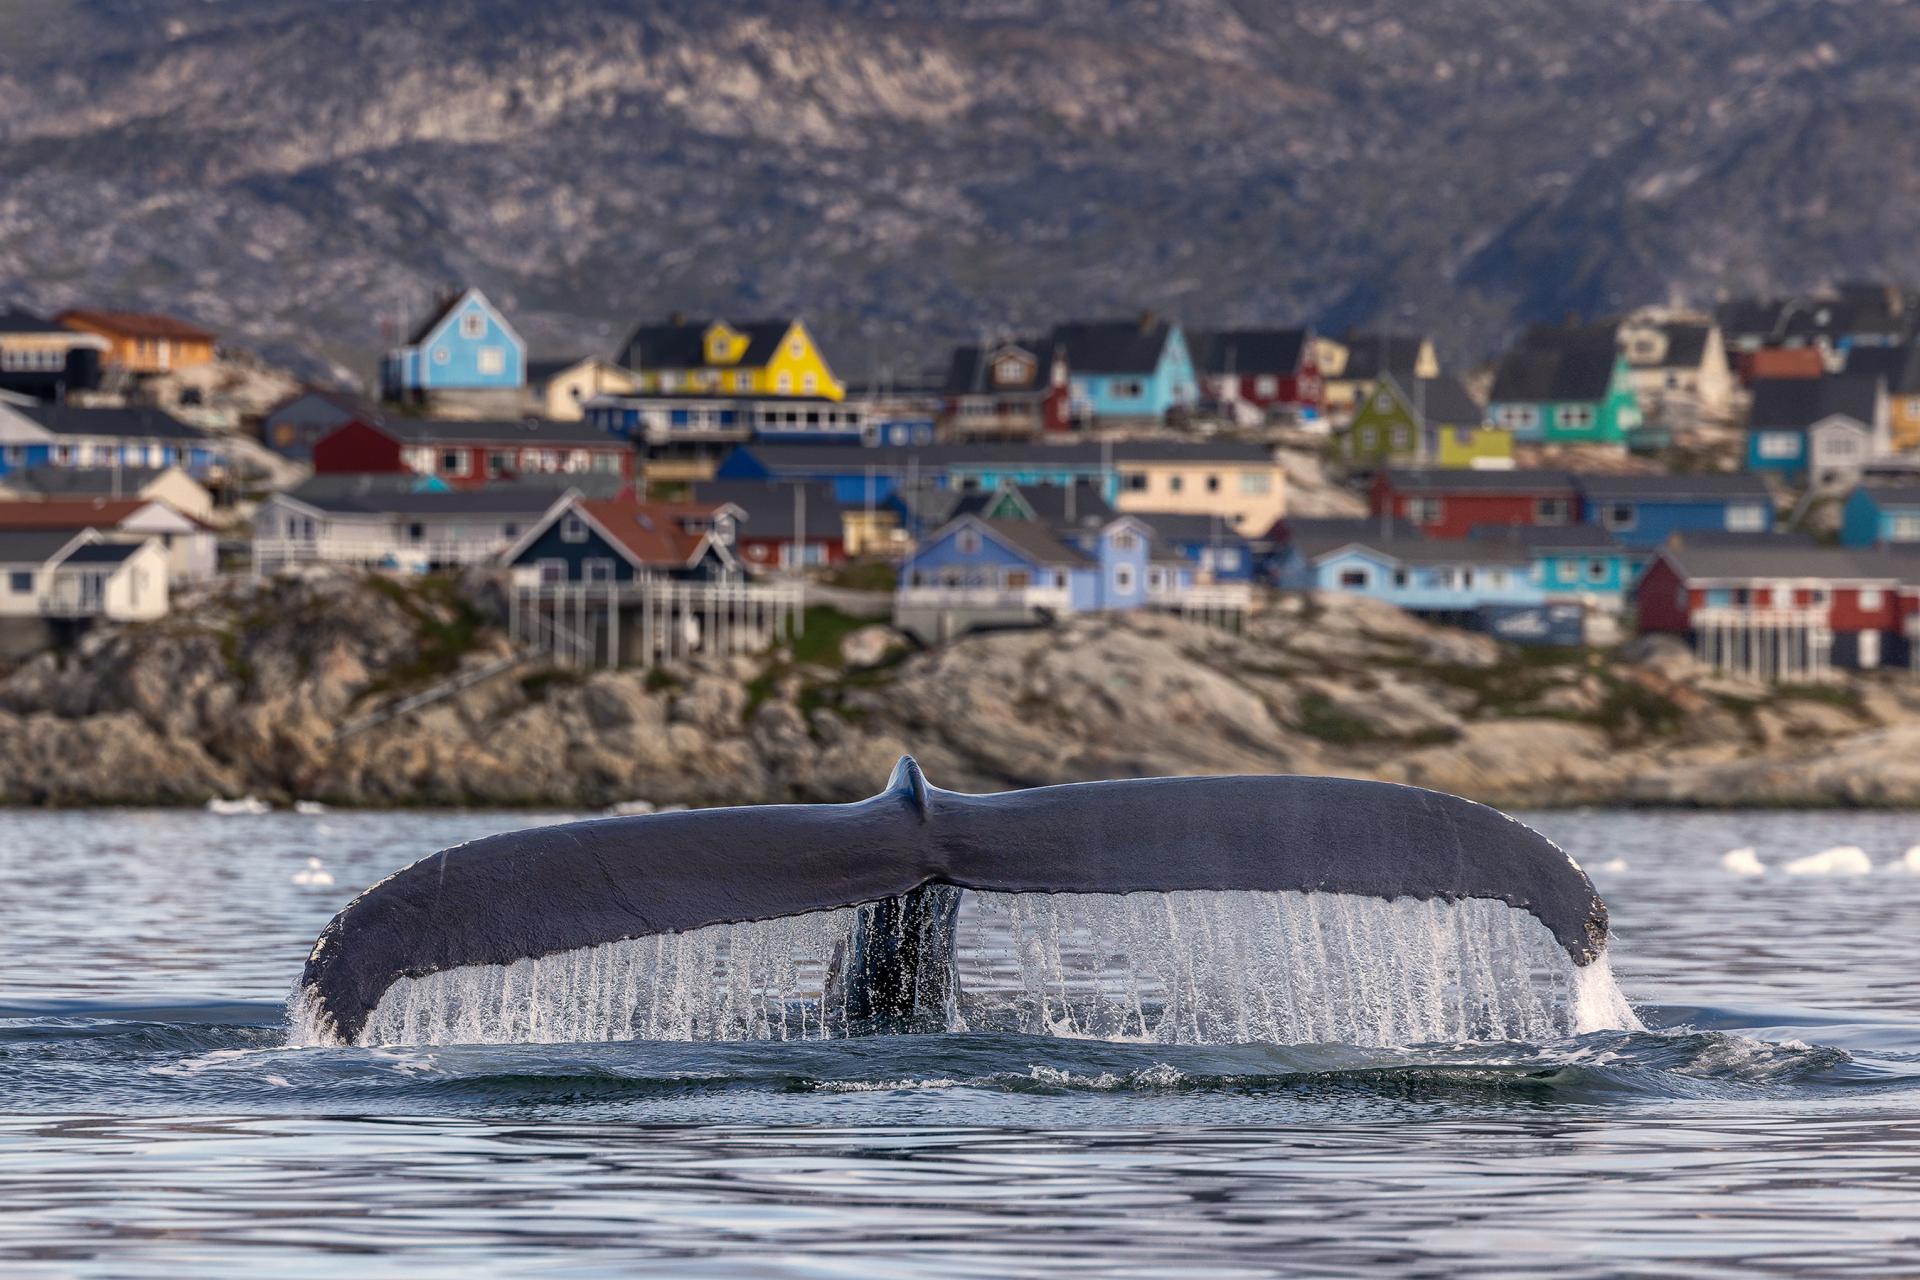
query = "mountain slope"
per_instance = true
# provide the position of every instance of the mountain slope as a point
(306, 174)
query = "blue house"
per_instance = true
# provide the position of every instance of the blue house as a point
(1127, 370)
(464, 345)
(1643, 511)
(62, 436)
(1454, 577)
(1824, 430)
(1576, 562)
(1883, 513)
(1208, 543)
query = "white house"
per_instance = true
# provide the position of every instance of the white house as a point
(396, 530)
(79, 575)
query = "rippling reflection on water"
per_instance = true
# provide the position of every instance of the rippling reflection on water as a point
(155, 1124)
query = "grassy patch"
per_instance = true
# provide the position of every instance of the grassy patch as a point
(538, 684)
(826, 627)
(864, 575)
(1846, 697)
(446, 629)
(1320, 717)
(659, 680)
(1630, 710)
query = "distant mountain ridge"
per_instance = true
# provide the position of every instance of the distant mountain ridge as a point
(306, 175)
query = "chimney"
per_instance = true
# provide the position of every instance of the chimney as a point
(1147, 321)
(677, 318)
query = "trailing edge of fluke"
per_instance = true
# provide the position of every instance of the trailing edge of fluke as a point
(534, 893)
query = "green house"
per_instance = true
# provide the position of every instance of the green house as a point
(1437, 421)
(1578, 393)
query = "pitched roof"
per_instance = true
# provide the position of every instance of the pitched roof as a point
(88, 481)
(494, 499)
(1035, 541)
(134, 324)
(104, 553)
(1444, 400)
(1686, 344)
(535, 431)
(1311, 535)
(770, 509)
(1559, 537)
(1786, 559)
(969, 369)
(1171, 529)
(1708, 485)
(653, 533)
(1786, 362)
(1370, 355)
(102, 513)
(1114, 346)
(1049, 503)
(1475, 480)
(1249, 351)
(14, 320)
(1801, 402)
(123, 424)
(681, 344)
(1897, 366)
(33, 546)
(1598, 335)
(345, 401)
(1464, 551)
(1576, 372)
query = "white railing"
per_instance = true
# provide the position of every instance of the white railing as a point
(935, 596)
(651, 620)
(277, 551)
(1740, 615)
(75, 596)
(1222, 595)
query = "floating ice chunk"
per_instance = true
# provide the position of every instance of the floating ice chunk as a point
(311, 808)
(1907, 864)
(1841, 860)
(245, 806)
(1743, 862)
(630, 809)
(313, 874)
(1614, 864)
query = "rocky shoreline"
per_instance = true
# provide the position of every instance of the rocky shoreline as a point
(244, 689)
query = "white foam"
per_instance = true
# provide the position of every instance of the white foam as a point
(1182, 967)
(1614, 865)
(313, 875)
(1907, 863)
(1841, 860)
(1743, 862)
(244, 807)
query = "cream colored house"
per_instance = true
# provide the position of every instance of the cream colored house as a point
(1678, 368)
(1364, 358)
(1242, 484)
(562, 388)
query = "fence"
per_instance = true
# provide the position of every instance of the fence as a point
(644, 623)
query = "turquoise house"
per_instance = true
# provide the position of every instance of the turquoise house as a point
(465, 345)
(1127, 370)
(1884, 514)
(1576, 562)
(1574, 390)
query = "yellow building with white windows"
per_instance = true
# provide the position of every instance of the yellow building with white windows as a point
(717, 357)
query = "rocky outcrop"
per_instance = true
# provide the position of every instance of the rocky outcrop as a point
(246, 692)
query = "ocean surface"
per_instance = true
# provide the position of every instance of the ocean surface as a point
(154, 1122)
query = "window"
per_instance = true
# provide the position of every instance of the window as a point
(1841, 444)
(597, 569)
(1619, 515)
(473, 324)
(1268, 388)
(785, 384)
(1157, 578)
(1870, 598)
(572, 528)
(1576, 417)
(493, 360)
(1550, 511)
(1777, 445)
(1123, 579)
(441, 355)
(1255, 482)
(1126, 389)
(1596, 571)
(809, 383)
(1518, 417)
(796, 347)
(1904, 528)
(1133, 481)
(1213, 484)
(1747, 517)
(967, 542)
(1369, 438)
(1355, 579)
(499, 463)
(1176, 482)
(416, 532)
(1817, 595)
(20, 582)
(453, 462)
(551, 571)
(1401, 578)
(1566, 572)
(1400, 440)
(1125, 540)
(1425, 511)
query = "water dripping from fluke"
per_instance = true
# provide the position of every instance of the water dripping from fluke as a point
(1174, 910)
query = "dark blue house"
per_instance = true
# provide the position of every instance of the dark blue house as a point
(61, 436)
(1883, 513)
(585, 541)
(1643, 511)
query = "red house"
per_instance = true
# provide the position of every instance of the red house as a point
(1448, 503)
(782, 524)
(470, 455)
(1012, 390)
(1260, 373)
(1778, 609)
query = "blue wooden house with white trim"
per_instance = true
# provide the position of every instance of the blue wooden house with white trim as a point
(1644, 511)
(465, 344)
(58, 435)
(1127, 370)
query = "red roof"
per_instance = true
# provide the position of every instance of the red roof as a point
(133, 324)
(1786, 362)
(652, 532)
(78, 513)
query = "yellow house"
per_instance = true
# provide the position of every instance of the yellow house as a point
(1242, 484)
(561, 388)
(717, 357)
(1366, 358)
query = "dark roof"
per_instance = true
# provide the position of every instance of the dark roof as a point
(1475, 480)
(1686, 344)
(32, 546)
(969, 369)
(681, 344)
(842, 458)
(1249, 351)
(126, 424)
(770, 508)
(1897, 366)
(433, 318)
(103, 553)
(83, 481)
(1436, 550)
(1780, 559)
(1311, 533)
(1729, 538)
(496, 499)
(1711, 485)
(13, 320)
(1035, 541)
(1445, 400)
(1370, 355)
(1559, 537)
(1169, 529)
(1048, 502)
(1801, 402)
(345, 401)
(547, 367)
(1572, 373)
(507, 431)
(1114, 346)
(1600, 335)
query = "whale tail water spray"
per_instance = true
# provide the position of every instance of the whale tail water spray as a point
(1236, 909)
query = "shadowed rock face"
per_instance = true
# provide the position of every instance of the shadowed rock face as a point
(555, 889)
(902, 172)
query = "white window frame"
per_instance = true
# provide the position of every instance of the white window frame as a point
(1123, 579)
(597, 569)
(1746, 517)
(572, 528)
(967, 542)
(492, 361)
(473, 325)
(1872, 598)
(1777, 446)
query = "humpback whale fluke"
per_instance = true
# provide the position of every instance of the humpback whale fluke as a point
(899, 863)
